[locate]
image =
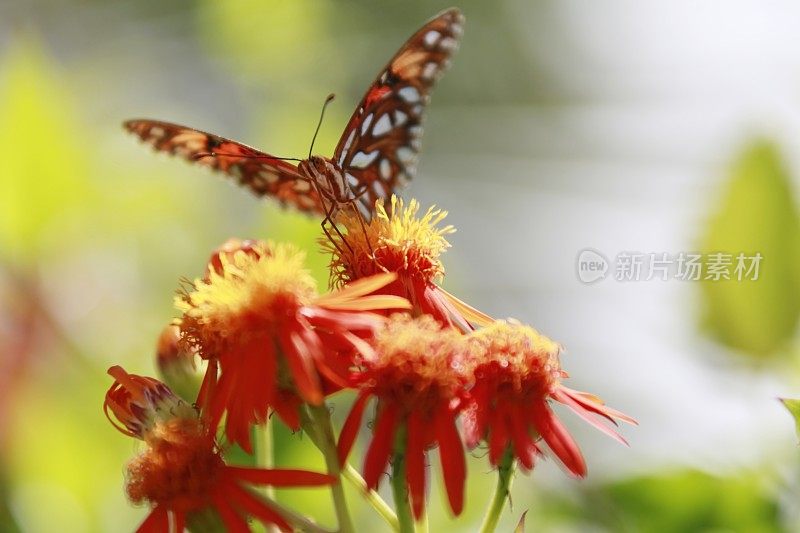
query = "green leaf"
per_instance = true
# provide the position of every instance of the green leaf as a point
(673, 501)
(793, 406)
(756, 214)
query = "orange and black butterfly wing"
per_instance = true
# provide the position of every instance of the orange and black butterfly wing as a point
(379, 148)
(261, 173)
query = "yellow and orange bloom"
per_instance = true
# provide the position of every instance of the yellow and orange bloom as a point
(417, 375)
(409, 245)
(256, 316)
(516, 373)
(182, 471)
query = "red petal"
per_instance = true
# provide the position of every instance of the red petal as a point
(286, 405)
(498, 436)
(454, 466)
(257, 507)
(558, 439)
(524, 447)
(350, 428)
(586, 414)
(381, 446)
(595, 405)
(342, 320)
(432, 306)
(156, 522)
(415, 463)
(208, 387)
(300, 358)
(279, 477)
(232, 519)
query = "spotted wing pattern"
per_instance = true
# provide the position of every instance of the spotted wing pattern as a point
(379, 148)
(259, 172)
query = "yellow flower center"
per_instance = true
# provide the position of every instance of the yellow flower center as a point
(252, 293)
(400, 241)
(516, 358)
(417, 363)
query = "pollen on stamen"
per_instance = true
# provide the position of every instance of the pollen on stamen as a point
(397, 240)
(418, 360)
(244, 291)
(524, 359)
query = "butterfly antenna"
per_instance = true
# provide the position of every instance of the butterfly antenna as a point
(328, 100)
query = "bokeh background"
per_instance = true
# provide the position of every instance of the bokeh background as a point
(618, 126)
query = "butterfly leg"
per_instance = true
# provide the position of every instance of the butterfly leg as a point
(352, 202)
(330, 207)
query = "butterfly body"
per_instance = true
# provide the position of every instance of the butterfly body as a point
(329, 180)
(376, 154)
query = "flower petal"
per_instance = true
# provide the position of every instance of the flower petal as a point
(587, 415)
(156, 522)
(415, 463)
(234, 523)
(350, 428)
(256, 506)
(454, 466)
(558, 439)
(498, 437)
(300, 358)
(357, 288)
(590, 402)
(467, 311)
(279, 477)
(381, 445)
(372, 302)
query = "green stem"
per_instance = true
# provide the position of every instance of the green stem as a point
(351, 474)
(265, 453)
(326, 442)
(402, 503)
(505, 474)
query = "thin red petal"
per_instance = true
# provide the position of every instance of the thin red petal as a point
(286, 405)
(300, 358)
(342, 320)
(454, 465)
(256, 506)
(208, 388)
(156, 522)
(349, 432)
(279, 477)
(586, 414)
(524, 448)
(415, 463)
(594, 404)
(433, 306)
(558, 439)
(233, 521)
(381, 446)
(498, 437)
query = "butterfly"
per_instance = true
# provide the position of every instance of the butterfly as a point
(377, 152)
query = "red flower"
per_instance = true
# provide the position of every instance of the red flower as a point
(517, 372)
(417, 377)
(258, 319)
(404, 243)
(182, 470)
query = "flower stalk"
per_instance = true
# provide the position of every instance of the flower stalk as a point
(402, 502)
(321, 418)
(505, 475)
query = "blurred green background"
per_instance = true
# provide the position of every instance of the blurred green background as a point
(618, 126)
